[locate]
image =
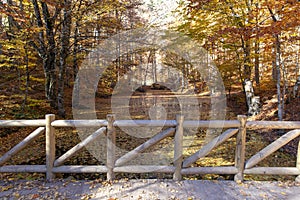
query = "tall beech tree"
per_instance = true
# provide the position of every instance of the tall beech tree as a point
(65, 44)
(46, 47)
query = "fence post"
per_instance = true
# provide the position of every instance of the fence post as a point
(178, 145)
(298, 162)
(240, 148)
(111, 148)
(50, 146)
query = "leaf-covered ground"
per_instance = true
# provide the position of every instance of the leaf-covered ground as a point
(148, 190)
(66, 138)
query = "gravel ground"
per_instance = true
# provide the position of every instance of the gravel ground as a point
(148, 189)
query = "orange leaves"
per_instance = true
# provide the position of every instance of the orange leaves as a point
(247, 19)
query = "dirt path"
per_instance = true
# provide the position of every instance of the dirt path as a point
(148, 189)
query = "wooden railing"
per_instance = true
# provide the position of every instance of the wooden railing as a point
(181, 166)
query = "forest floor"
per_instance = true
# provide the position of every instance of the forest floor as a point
(36, 107)
(129, 186)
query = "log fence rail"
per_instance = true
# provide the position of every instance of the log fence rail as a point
(181, 166)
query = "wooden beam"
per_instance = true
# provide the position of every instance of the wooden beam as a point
(125, 123)
(62, 159)
(23, 169)
(145, 169)
(80, 169)
(273, 170)
(209, 147)
(173, 123)
(50, 146)
(135, 152)
(79, 123)
(240, 148)
(178, 148)
(22, 123)
(147, 123)
(271, 148)
(111, 147)
(298, 162)
(273, 124)
(30, 138)
(211, 124)
(209, 170)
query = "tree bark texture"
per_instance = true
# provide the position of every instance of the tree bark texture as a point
(256, 61)
(253, 102)
(46, 50)
(277, 64)
(65, 43)
(278, 73)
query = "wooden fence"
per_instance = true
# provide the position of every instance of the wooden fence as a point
(181, 166)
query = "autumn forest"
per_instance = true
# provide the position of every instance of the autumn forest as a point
(250, 50)
(44, 43)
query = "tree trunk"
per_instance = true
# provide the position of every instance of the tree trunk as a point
(76, 40)
(42, 47)
(75, 50)
(27, 77)
(297, 73)
(50, 61)
(256, 62)
(246, 48)
(65, 43)
(296, 88)
(277, 71)
(46, 51)
(1, 25)
(1, 29)
(154, 67)
(278, 78)
(10, 20)
(21, 5)
(147, 67)
(50, 81)
(285, 87)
